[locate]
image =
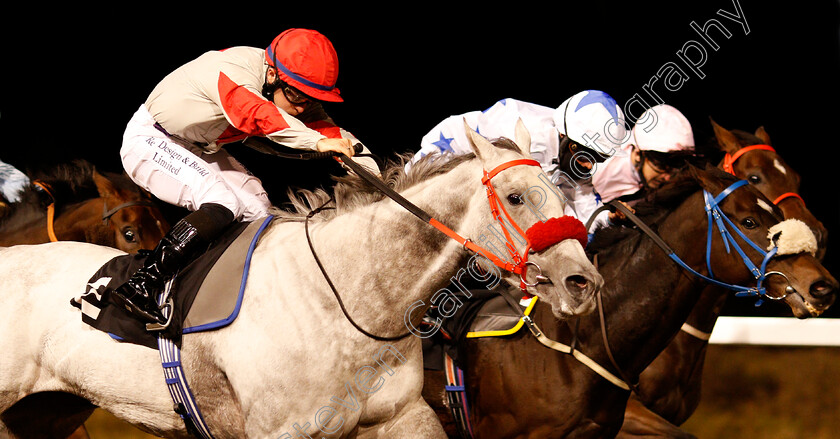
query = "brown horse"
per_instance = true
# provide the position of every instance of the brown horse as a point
(669, 389)
(518, 388)
(74, 202)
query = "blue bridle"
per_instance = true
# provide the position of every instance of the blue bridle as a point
(716, 217)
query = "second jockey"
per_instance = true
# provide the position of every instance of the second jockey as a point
(659, 143)
(569, 141)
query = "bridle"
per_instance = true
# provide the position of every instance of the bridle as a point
(729, 166)
(716, 219)
(50, 209)
(106, 214)
(520, 262)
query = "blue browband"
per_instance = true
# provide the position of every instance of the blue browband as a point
(716, 217)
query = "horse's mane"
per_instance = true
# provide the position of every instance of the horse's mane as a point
(351, 191)
(655, 207)
(69, 183)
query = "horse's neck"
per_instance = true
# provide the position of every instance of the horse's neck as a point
(382, 259)
(647, 299)
(705, 313)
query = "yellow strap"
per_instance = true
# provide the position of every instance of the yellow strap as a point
(513, 330)
(691, 330)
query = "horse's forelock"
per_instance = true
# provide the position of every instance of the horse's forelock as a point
(747, 138)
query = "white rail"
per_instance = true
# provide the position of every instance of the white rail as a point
(784, 331)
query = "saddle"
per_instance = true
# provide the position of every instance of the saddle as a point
(486, 314)
(206, 294)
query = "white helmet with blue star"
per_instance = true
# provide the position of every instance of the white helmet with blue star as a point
(594, 120)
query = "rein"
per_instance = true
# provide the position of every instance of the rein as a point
(332, 286)
(519, 266)
(729, 166)
(715, 217)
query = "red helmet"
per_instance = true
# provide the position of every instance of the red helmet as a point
(306, 60)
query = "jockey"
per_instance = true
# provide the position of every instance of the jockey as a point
(568, 141)
(12, 182)
(172, 146)
(659, 143)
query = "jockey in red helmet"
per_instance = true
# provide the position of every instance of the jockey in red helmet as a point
(173, 145)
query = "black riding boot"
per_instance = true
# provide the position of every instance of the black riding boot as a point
(186, 240)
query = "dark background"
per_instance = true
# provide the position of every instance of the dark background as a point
(72, 77)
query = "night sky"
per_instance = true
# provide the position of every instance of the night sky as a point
(71, 79)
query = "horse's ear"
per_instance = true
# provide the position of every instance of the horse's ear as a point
(705, 177)
(762, 134)
(480, 146)
(523, 138)
(104, 186)
(725, 139)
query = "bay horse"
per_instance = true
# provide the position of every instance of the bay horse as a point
(517, 388)
(74, 202)
(669, 389)
(290, 360)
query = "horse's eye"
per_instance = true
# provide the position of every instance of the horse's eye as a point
(514, 199)
(749, 223)
(754, 179)
(129, 235)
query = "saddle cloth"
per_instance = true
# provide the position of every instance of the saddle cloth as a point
(206, 294)
(485, 314)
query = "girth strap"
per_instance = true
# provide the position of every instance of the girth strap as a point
(176, 381)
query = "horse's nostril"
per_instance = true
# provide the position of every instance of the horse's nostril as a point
(577, 282)
(821, 288)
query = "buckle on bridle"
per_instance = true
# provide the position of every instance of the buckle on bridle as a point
(531, 326)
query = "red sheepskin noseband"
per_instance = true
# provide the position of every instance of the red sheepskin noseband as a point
(545, 234)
